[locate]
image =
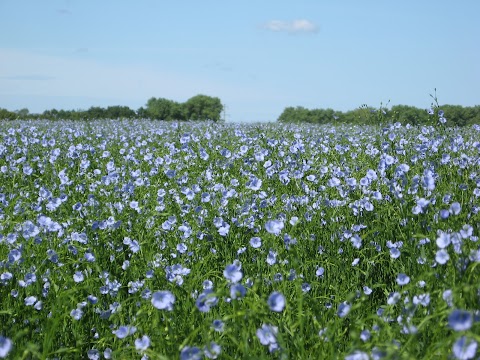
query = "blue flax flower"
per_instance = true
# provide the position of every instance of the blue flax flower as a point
(464, 349)
(460, 320)
(276, 301)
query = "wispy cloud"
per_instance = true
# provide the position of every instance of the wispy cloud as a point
(219, 66)
(29, 77)
(64, 11)
(295, 26)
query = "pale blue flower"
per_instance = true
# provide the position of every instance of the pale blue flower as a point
(5, 346)
(93, 354)
(320, 272)
(78, 277)
(403, 279)
(206, 300)
(464, 349)
(455, 208)
(212, 350)
(30, 229)
(76, 314)
(442, 257)
(233, 272)
(207, 284)
(276, 301)
(356, 241)
(443, 240)
(163, 300)
(267, 335)
(367, 290)
(224, 229)
(237, 291)
(460, 320)
(274, 226)
(343, 309)
(357, 355)
(218, 325)
(365, 335)
(422, 299)
(395, 253)
(30, 300)
(191, 353)
(254, 183)
(89, 256)
(393, 298)
(255, 242)
(306, 287)
(447, 296)
(444, 214)
(271, 257)
(142, 343)
(123, 331)
(466, 231)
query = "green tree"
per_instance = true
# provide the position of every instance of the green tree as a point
(161, 109)
(96, 112)
(455, 114)
(114, 112)
(22, 113)
(50, 114)
(203, 107)
(7, 115)
(288, 115)
(406, 114)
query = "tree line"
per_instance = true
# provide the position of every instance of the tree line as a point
(455, 115)
(199, 107)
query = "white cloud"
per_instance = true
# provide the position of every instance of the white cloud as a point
(295, 26)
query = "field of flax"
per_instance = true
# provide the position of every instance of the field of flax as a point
(154, 240)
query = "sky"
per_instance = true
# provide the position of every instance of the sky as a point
(258, 57)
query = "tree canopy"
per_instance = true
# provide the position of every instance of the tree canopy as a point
(199, 107)
(455, 115)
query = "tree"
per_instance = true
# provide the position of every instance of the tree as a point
(455, 114)
(161, 109)
(96, 112)
(410, 114)
(7, 115)
(50, 114)
(203, 107)
(288, 115)
(114, 112)
(22, 113)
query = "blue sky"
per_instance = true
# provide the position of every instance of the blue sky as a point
(258, 57)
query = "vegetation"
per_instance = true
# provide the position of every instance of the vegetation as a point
(132, 239)
(203, 107)
(199, 107)
(455, 115)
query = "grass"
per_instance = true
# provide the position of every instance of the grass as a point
(96, 217)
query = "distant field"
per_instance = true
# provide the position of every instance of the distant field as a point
(154, 240)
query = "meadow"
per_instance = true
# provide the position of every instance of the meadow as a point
(166, 240)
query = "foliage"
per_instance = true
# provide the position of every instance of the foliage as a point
(164, 109)
(203, 107)
(7, 115)
(277, 241)
(199, 107)
(455, 115)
